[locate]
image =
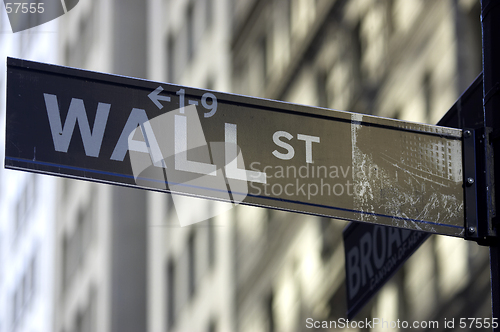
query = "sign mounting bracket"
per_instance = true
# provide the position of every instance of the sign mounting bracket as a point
(478, 189)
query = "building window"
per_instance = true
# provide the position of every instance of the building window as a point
(427, 92)
(25, 286)
(170, 209)
(170, 294)
(328, 238)
(24, 291)
(67, 56)
(263, 54)
(390, 17)
(211, 243)
(272, 224)
(170, 59)
(242, 77)
(76, 244)
(76, 52)
(289, 19)
(86, 33)
(474, 28)
(210, 85)
(71, 256)
(20, 213)
(32, 275)
(321, 88)
(270, 312)
(65, 262)
(85, 221)
(358, 51)
(79, 322)
(25, 202)
(209, 12)
(192, 264)
(85, 319)
(212, 326)
(14, 308)
(398, 114)
(190, 31)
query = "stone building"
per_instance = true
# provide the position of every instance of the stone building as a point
(125, 264)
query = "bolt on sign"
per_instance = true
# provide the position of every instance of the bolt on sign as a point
(203, 143)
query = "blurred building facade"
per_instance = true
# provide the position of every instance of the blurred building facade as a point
(123, 263)
(118, 247)
(402, 59)
(27, 205)
(101, 247)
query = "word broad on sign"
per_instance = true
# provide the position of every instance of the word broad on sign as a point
(373, 253)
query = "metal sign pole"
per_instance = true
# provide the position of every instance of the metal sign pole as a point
(495, 278)
(490, 24)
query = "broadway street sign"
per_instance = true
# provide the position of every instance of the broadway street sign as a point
(373, 253)
(203, 143)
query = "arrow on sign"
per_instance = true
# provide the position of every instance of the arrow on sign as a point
(155, 97)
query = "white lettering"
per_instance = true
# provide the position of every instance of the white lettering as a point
(354, 273)
(62, 135)
(138, 119)
(365, 244)
(379, 256)
(232, 170)
(309, 141)
(276, 139)
(394, 238)
(181, 147)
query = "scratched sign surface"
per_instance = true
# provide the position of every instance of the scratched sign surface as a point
(203, 143)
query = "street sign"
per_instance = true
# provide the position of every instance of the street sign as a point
(170, 138)
(373, 253)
